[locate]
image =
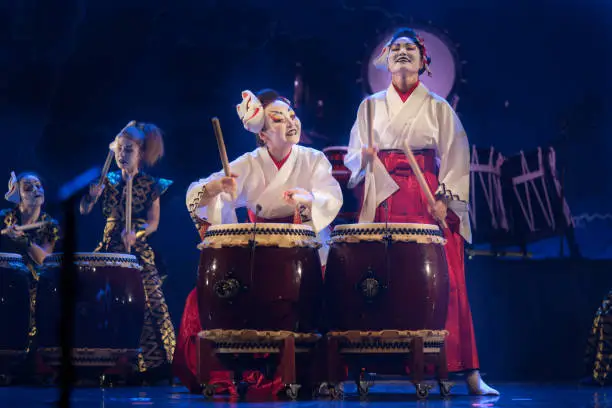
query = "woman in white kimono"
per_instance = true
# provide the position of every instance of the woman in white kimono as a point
(409, 116)
(280, 181)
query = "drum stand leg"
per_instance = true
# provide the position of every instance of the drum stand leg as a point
(119, 372)
(363, 383)
(316, 360)
(45, 374)
(417, 368)
(206, 360)
(332, 349)
(241, 386)
(287, 366)
(570, 236)
(442, 373)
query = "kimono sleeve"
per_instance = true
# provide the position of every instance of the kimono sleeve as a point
(454, 174)
(51, 232)
(454, 153)
(160, 187)
(326, 192)
(352, 160)
(221, 209)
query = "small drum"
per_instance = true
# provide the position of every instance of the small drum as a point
(352, 197)
(386, 277)
(110, 306)
(260, 276)
(15, 282)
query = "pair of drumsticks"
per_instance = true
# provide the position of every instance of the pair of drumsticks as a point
(370, 118)
(407, 151)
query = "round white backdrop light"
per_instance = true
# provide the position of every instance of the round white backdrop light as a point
(443, 68)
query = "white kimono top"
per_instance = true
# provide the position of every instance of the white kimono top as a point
(260, 182)
(424, 121)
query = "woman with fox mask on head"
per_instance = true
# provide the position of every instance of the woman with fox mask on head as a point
(279, 182)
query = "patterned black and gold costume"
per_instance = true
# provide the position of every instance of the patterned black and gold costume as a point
(599, 346)
(49, 234)
(158, 338)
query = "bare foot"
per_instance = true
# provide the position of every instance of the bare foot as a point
(476, 386)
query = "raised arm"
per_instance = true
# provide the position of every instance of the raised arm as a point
(213, 199)
(90, 199)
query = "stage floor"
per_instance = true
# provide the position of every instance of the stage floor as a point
(385, 394)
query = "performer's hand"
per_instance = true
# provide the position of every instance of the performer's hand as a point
(439, 211)
(95, 191)
(367, 155)
(14, 234)
(297, 196)
(225, 184)
(128, 238)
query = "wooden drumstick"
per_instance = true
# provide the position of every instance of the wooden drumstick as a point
(111, 154)
(421, 179)
(128, 210)
(221, 146)
(27, 227)
(107, 164)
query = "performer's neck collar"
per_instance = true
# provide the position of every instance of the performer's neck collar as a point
(29, 215)
(405, 95)
(124, 174)
(279, 162)
(404, 80)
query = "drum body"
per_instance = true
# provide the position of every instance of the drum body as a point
(274, 285)
(109, 313)
(391, 277)
(349, 211)
(15, 282)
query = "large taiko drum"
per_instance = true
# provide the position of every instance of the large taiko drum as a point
(350, 206)
(386, 277)
(260, 276)
(110, 306)
(15, 283)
